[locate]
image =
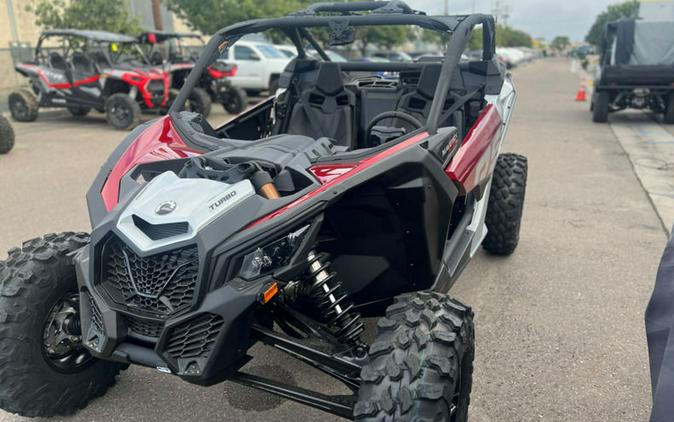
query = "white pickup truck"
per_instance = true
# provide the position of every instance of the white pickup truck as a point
(259, 65)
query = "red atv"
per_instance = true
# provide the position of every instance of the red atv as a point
(181, 51)
(347, 195)
(81, 70)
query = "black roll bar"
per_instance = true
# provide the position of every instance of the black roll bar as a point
(457, 45)
(359, 6)
(460, 27)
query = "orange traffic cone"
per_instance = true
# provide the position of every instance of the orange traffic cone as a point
(582, 94)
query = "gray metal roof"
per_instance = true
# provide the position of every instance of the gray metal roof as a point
(95, 35)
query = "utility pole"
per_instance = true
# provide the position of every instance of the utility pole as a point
(156, 15)
(473, 8)
(12, 21)
(446, 7)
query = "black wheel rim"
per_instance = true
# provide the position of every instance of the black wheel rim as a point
(119, 113)
(18, 107)
(62, 337)
(234, 104)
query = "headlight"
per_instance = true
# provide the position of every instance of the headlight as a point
(273, 255)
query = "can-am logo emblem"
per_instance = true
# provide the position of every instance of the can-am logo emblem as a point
(166, 207)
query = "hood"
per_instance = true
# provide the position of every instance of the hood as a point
(170, 209)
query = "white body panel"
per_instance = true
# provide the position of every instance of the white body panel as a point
(194, 201)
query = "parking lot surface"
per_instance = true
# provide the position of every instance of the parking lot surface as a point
(560, 333)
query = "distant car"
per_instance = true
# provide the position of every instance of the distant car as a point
(291, 52)
(259, 64)
(287, 50)
(394, 56)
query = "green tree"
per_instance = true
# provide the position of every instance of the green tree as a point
(560, 42)
(208, 16)
(108, 15)
(628, 9)
(505, 37)
(386, 37)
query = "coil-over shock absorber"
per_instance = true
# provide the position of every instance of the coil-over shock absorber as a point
(331, 300)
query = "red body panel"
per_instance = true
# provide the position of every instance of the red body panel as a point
(475, 158)
(158, 142)
(140, 79)
(59, 85)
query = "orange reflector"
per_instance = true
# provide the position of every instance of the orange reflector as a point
(269, 293)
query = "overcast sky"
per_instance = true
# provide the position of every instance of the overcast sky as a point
(540, 18)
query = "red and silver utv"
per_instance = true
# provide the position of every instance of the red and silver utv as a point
(345, 196)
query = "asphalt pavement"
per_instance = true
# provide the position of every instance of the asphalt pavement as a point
(560, 333)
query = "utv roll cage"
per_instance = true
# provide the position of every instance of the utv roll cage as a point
(340, 17)
(90, 37)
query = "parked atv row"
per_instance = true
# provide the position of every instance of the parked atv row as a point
(81, 70)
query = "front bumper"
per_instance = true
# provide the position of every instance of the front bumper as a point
(203, 344)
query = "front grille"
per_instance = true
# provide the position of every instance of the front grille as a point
(156, 86)
(194, 338)
(143, 327)
(161, 284)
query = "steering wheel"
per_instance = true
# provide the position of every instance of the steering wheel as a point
(407, 118)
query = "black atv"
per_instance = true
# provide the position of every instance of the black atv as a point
(636, 70)
(181, 50)
(345, 196)
(80, 70)
(6, 135)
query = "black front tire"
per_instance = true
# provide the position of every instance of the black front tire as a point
(600, 105)
(669, 110)
(6, 136)
(78, 111)
(506, 204)
(33, 280)
(421, 362)
(23, 105)
(235, 100)
(122, 112)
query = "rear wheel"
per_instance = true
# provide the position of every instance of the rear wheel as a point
(45, 369)
(506, 204)
(198, 101)
(122, 112)
(600, 103)
(23, 105)
(235, 100)
(421, 362)
(6, 136)
(78, 111)
(669, 110)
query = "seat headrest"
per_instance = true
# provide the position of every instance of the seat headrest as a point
(428, 81)
(329, 80)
